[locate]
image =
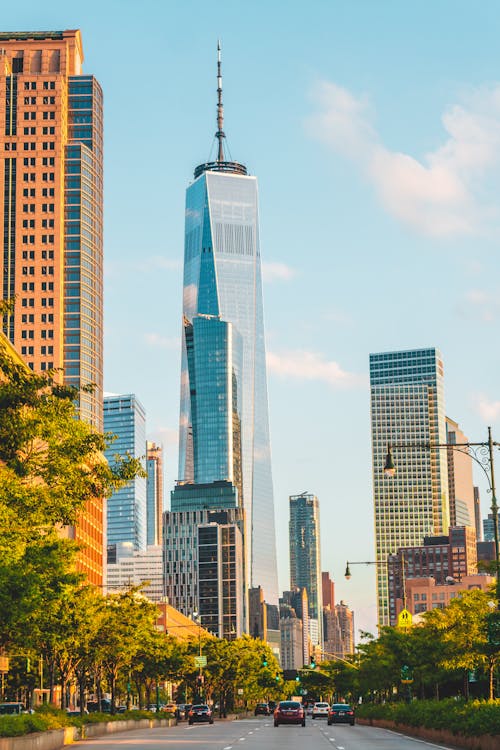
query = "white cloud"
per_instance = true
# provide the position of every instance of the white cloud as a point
(277, 272)
(306, 365)
(444, 193)
(162, 342)
(488, 410)
(482, 304)
(168, 435)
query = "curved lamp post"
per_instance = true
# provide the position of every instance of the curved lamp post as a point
(481, 454)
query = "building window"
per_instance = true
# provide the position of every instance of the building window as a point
(49, 85)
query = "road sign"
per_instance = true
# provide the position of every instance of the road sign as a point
(200, 661)
(405, 619)
(4, 663)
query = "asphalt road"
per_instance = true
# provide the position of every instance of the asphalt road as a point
(259, 734)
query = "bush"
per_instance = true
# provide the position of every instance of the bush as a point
(472, 718)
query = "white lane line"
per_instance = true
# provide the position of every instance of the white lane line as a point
(229, 747)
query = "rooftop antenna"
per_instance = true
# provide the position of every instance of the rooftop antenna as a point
(220, 135)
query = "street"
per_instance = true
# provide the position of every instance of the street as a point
(259, 734)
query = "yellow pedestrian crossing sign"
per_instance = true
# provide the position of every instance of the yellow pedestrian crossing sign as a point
(404, 619)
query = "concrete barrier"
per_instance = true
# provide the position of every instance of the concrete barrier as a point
(55, 739)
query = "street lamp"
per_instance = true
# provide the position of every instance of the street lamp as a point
(378, 563)
(482, 454)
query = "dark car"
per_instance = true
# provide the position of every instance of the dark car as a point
(289, 712)
(262, 709)
(200, 712)
(341, 713)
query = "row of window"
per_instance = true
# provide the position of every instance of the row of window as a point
(45, 318)
(30, 302)
(29, 286)
(29, 239)
(30, 255)
(31, 176)
(46, 130)
(31, 85)
(46, 270)
(31, 193)
(30, 223)
(44, 350)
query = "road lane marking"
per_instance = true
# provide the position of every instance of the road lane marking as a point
(229, 747)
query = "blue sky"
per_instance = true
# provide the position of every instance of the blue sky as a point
(374, 130)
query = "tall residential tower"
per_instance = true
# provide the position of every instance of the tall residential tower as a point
(305, 558)
(407, 409)
(51, 225)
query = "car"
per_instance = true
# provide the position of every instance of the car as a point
(187, 708)
(262, 709)
(76, 712)
(289, 712)
(200, 712)
(320, 710)
(11, 708)
(341, 713)
(169, 708)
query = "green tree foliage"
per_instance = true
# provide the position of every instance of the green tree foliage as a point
(51, 464)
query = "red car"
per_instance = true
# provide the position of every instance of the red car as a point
(289, 712)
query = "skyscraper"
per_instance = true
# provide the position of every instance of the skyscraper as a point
(154, 491)
(407, 408)
(124, 416)
(305, 558)
(51, 220)
(222, 281)
(460, 481)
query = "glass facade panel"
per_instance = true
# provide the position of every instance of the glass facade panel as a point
(222, 277)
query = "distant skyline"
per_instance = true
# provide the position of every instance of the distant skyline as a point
(374, 131)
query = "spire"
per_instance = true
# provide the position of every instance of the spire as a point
(220, 135)
(220, 165)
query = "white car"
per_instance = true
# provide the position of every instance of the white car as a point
(320, 710)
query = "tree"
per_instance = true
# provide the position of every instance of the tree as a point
(51, 464)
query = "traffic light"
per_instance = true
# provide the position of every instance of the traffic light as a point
(313, 663)
(200, 680)
(277, 678)
(264, 661)
(406, 674)
(297, 679)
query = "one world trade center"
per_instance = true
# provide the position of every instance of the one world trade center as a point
(224, 423)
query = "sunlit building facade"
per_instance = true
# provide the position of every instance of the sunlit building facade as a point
(154, 493)
(407, 409)
(305, 558)
(51, 191)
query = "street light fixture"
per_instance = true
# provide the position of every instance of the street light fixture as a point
(378, 563)
(482, 454)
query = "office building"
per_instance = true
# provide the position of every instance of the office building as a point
(51, 217)
(328, 590)
(489, 527)
(223, 300)
(305, 558)
(184, 561)
(294, 604)
(423, 594)
(154, 493)
(446, 558)
(291, 644)
(220, 578)
(127, 567)
(124, 417)
(407, 409)
(460, 482)
(338, 625)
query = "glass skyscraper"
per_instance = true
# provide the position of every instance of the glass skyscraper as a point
(124, 416)
(222, 283)
(407, 409)
(305, 558)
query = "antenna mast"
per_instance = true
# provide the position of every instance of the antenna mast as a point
(220, 135)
